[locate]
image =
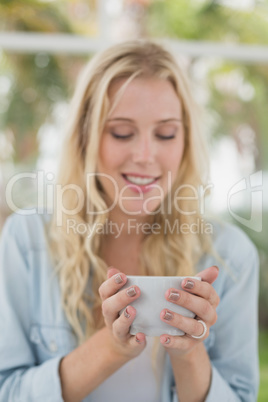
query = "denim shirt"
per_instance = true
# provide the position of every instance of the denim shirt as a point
(35, 334)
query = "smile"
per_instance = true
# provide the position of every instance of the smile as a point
(140, 181)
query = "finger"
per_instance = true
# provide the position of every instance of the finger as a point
(209, 274)
(198, 305)
(112, 271)
(121, 329)
(121, 325)
(112, 285)
(137, 342)
(202, 289)
(188, 325)
(112, 305)
(140, 337)
(183, 343)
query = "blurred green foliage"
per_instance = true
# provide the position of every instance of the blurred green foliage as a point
(37, 81)
(263, 354)
(208, 20)
(32, 15)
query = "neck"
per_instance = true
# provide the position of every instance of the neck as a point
(121, 245)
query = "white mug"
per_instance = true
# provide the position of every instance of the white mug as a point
(152, 301)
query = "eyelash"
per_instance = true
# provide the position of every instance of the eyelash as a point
(166, 137)
(126, 137)
(121, 137)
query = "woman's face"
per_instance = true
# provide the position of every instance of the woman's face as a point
(141, 147)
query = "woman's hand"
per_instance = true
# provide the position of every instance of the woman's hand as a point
(113, 302)
(199, 297)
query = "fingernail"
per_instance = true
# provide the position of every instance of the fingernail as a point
(215, 266)
(118, 279)
(126, 313)
(137, 340)
(131, 292)
(167, 341)
(174, 295)
(189, 285)
(168, 316)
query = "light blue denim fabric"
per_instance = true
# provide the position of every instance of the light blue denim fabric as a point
(35, 334)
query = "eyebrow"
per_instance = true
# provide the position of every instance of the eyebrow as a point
(133, 121)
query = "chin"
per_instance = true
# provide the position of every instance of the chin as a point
(141, 211)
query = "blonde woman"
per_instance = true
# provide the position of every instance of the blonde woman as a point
(134, 157)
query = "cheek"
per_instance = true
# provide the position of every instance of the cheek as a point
(107, 158)
(111, 156)
(174, 162)
(173, 158)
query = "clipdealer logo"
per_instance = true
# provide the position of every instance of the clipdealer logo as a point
(252, 187)
(248, 190)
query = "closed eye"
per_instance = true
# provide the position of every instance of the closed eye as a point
(165, 137)
(120, 136)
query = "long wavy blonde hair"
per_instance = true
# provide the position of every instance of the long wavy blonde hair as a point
(78, 260)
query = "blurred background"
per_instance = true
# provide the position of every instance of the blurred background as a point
(222, 44)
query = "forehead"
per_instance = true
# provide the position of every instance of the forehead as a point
(144, 96)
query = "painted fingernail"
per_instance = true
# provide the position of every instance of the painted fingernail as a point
(168, 316)
(189, 285)
(174, 296)
(131, 292)
(118, 279)
(126, 313)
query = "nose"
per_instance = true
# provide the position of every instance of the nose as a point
(143, 150)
